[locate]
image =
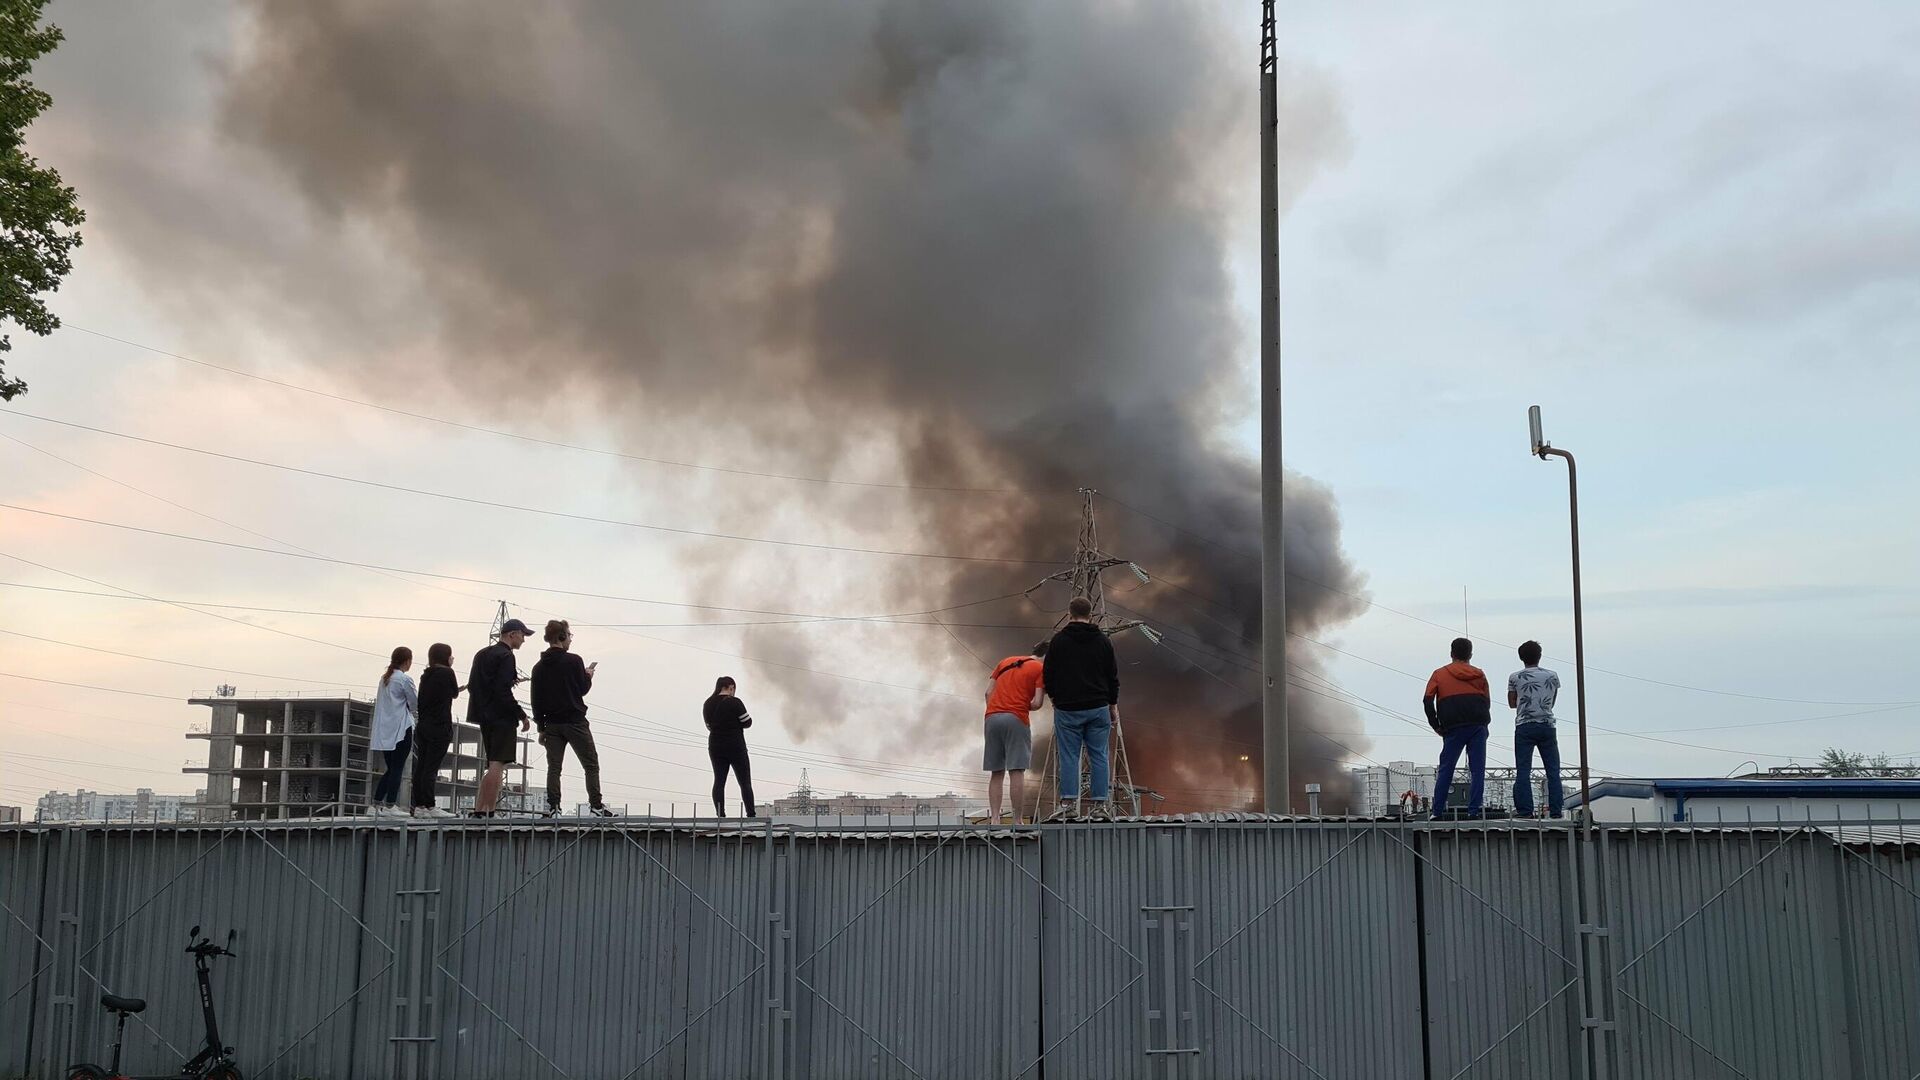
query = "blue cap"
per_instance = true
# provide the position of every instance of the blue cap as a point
(511, 625)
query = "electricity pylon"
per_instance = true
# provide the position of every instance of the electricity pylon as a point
(1083, 579)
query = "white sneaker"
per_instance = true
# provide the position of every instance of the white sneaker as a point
(434, 812)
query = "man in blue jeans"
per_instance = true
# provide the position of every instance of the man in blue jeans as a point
(1083, 679)
(1459, 708)
(1531, 693)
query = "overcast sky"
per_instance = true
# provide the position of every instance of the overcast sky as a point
(1688, 232)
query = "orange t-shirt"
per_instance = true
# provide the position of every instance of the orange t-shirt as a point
(1014, 680)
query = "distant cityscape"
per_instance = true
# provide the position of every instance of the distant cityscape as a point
(289, 756)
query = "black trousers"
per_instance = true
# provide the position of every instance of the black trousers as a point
(388, 791)
(730, 754)
(429, 750)
(556, 737)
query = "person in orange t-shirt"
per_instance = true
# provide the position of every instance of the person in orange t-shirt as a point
(1013, 690)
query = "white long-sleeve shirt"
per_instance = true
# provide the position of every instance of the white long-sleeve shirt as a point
(394, 707)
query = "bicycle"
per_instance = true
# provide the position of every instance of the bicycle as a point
(213, 1062)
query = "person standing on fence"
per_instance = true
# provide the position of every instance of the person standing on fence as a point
(560, 684)
(1083, 679)
(395, 704)
(1013, 690)
(727, 723)
(1531, 693)
(433, 731)
(1459, 708)
(492, 708)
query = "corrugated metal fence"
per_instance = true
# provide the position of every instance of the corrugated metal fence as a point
(1176, 950)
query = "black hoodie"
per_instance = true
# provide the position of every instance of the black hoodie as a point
(560, 685)
(1081, 672)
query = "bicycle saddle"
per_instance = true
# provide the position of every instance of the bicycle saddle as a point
(125, 1005)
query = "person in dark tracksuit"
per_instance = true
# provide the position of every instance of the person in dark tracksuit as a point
(1459, 708)
(727, 723)
(560, 684)
(433, 731)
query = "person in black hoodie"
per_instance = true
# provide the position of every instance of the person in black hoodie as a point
(491, 708)
(433, 730)
(560, 684)
(727, 723)
(1083, 679)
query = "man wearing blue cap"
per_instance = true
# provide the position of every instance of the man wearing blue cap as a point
(492, 708)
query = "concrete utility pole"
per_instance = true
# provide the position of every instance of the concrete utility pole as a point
(1273, 558)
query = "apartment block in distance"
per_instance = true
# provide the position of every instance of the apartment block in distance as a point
(292, 756)
(84, 805)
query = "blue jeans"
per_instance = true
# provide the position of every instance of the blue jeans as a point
(1474, 741)
(1074, 728)
(1525, 738)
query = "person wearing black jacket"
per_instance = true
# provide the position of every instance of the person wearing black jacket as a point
(1083, 679)
(560, 684)
(491, 707)
(727, 723)
(433, 730)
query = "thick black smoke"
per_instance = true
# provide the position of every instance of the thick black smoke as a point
(984, 244)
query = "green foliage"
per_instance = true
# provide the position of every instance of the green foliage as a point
(39, 214)
(1853, 763)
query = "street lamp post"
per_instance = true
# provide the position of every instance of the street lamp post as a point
(1543, 450)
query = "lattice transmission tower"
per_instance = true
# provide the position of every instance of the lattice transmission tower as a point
(1083, 578)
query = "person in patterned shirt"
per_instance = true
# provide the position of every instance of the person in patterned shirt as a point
(1531, 692)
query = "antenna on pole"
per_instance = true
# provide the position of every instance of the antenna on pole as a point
(1273, 568)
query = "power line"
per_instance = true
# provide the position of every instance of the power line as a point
(332, 683)
(219, 520)
(1372, 603)
(363, 616)
(489, 582)
(90, 686)
(556, 444)
(540, 511)
(183, 607)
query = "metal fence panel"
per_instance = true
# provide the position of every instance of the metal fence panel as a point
(915, 954)
(1308, 953)
(297, 900)
(1728, 953)
(1093, 952)
(26, 957)
(1170, 951)
(1879, 924)
(1501, 952)
(598, 952)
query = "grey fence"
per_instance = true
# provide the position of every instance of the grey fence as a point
(1173, 950)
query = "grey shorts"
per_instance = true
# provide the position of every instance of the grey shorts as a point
(1009, 744)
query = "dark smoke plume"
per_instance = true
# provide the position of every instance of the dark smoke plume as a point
(985, 245)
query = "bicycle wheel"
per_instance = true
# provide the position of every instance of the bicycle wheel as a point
(86, 1072)
(222, 1071)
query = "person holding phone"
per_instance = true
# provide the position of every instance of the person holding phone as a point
(727, 722)
(561, 681)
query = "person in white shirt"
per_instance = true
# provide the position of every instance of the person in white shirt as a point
(1531, 693)
(395, 705)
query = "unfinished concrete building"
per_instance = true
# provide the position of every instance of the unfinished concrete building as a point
(292, 756)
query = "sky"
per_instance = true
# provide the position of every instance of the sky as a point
(1687, 233)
